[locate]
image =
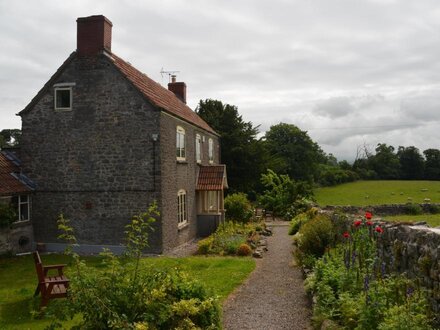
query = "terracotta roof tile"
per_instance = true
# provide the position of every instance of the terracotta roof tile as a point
(158, 95)
(10, 182)
(212, 178)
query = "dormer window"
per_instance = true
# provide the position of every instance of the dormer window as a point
(180, 143)
(63, 96)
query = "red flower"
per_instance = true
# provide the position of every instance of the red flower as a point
(357, 223)
(369, 223)
(368, 215)
(346, 234)
(379, 230)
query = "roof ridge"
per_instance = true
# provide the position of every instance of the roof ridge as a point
(169, 102)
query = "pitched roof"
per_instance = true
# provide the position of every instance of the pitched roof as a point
(11, 180)
(212, 177)
(154, 92)
(158, 95)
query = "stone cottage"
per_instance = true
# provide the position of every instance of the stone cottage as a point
(102, 140)
(15, 194)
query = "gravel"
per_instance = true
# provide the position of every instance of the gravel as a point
(273, 296)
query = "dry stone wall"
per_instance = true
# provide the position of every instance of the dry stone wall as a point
(386, 209)
(414, 250)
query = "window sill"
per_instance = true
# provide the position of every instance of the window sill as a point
(182, 226)
(181, 161)
(19, 224)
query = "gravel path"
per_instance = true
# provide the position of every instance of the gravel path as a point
(273, 297)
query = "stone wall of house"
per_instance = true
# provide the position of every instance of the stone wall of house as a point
(178, 175)
(17, 239)
(387, 209)
(98, 163)
(414, 250)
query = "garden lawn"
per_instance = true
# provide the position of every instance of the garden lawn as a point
(432, 219)
(362, 193)
(18, 281)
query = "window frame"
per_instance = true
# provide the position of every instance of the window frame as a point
(198, 148)
(21, 202)
(63, 87)
(180, 151)
(211, 150)
(182, 208)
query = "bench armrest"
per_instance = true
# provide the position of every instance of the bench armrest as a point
(49, 267)
(54, 266)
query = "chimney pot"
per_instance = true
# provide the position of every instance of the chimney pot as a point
(94, 35)
(173, 78)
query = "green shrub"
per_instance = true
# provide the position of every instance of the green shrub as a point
(204, 246)
(283, 196)
(7, 215)
(300, 219)
(316, 235)
(122, 294)
(413, 209)
(434, 208)
(238, 208)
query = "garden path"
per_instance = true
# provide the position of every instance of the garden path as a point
(273, 296)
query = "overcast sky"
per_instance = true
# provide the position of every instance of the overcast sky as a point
(348, 72)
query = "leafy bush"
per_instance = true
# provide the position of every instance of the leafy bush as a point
(7, 215)
(204, 246)
(282, 193)
(434, 209)
(353, 289)
(316, 235)
(300, 219)
(238, 208)
(413, 209)
(244, 250)
(124, 295)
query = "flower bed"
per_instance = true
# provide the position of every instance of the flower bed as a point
(233, 239)
(355, 288)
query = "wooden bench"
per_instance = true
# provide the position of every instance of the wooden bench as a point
(50, 287)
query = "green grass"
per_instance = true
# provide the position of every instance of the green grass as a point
(432, 219)
(362, 193)
(18, 281)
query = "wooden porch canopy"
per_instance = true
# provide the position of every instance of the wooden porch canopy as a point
(212, 177)
(211, 182)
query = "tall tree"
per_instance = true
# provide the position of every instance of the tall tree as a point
(411, 163)
(432, 164)
(10, 137)
(240, 150)
(385, 163)
(293, 152)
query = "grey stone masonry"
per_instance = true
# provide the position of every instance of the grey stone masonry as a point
(18, 238)
(414, 250)
(96, 163)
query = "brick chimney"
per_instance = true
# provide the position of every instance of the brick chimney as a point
(94, 34)
(178, 88)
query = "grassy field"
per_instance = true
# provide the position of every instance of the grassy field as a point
(362, 193)
(432, 219)
(18, 281)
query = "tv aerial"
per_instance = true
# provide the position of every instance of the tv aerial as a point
(170, 74)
